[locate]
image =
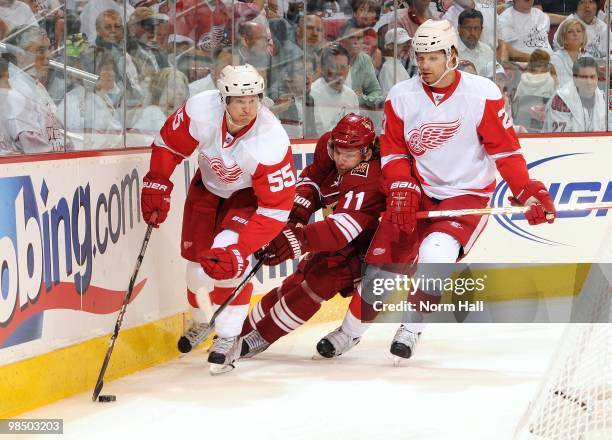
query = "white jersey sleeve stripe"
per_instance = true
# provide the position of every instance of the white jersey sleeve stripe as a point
(159, 143)
(347, 228)
(391, 157)
(306, 181)
(330, 194)
(505, 154)
(352, 221)
(344, 231)
(277, 214)
(348, 223)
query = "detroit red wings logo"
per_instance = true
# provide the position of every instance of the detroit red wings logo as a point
(431, 136)
(227, 175)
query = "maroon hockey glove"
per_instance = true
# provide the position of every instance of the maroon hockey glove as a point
(303, 207)
(287, 245)
(223, 263)
(403, 199)
(155, 197)
(541, 207)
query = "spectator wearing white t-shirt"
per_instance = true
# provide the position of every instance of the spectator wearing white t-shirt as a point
(16, 13)
(27, 120)
(393, 70)
(523, 29)
(596, 29)
(470, 45)
(332, 99)
(486, 8)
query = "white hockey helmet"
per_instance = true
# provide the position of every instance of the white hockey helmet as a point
(240, 81)
(435, 35)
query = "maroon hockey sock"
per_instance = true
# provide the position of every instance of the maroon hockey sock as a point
(287, 314)
(260, 310)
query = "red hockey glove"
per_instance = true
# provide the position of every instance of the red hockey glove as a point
(223, 263)
(535, 195)
(155, 197)
(403, 199)
(287, 245)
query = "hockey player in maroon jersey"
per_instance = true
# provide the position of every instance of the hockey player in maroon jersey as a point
(345, 175)
(444, 134)
(238, 200)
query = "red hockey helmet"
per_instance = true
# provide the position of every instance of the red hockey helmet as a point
(353, 131)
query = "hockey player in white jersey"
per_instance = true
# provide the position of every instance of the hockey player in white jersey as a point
(238, 200)
(444, 134)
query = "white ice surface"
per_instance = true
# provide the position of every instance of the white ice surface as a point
(467, 381)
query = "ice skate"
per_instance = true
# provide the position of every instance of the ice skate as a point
(403, 344)
(334, 344)
(253, 343)
(193, 337)
(223, 354)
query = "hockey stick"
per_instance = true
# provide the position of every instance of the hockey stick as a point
(509, 210)
(234, 294)
(182, 345)
(126, 300)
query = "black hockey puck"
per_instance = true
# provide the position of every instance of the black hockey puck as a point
(107, 398)
(184, 346)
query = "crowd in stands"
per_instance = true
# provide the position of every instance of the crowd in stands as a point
(76, 74)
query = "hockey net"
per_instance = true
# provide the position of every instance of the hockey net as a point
(574, 401)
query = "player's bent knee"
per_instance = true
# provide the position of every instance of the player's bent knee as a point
(439, 247)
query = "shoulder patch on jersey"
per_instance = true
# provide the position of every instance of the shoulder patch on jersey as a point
(559, 105)
(361, 170)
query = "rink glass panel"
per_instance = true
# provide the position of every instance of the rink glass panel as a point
(95, 102)
(115, 88)
(32, 78)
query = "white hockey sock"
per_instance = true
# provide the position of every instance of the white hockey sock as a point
(229, 322)
(199, 284)
(353, 326)
(198, 315)
(415, 327)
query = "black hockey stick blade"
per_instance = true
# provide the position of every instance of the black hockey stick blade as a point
(97, 390)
